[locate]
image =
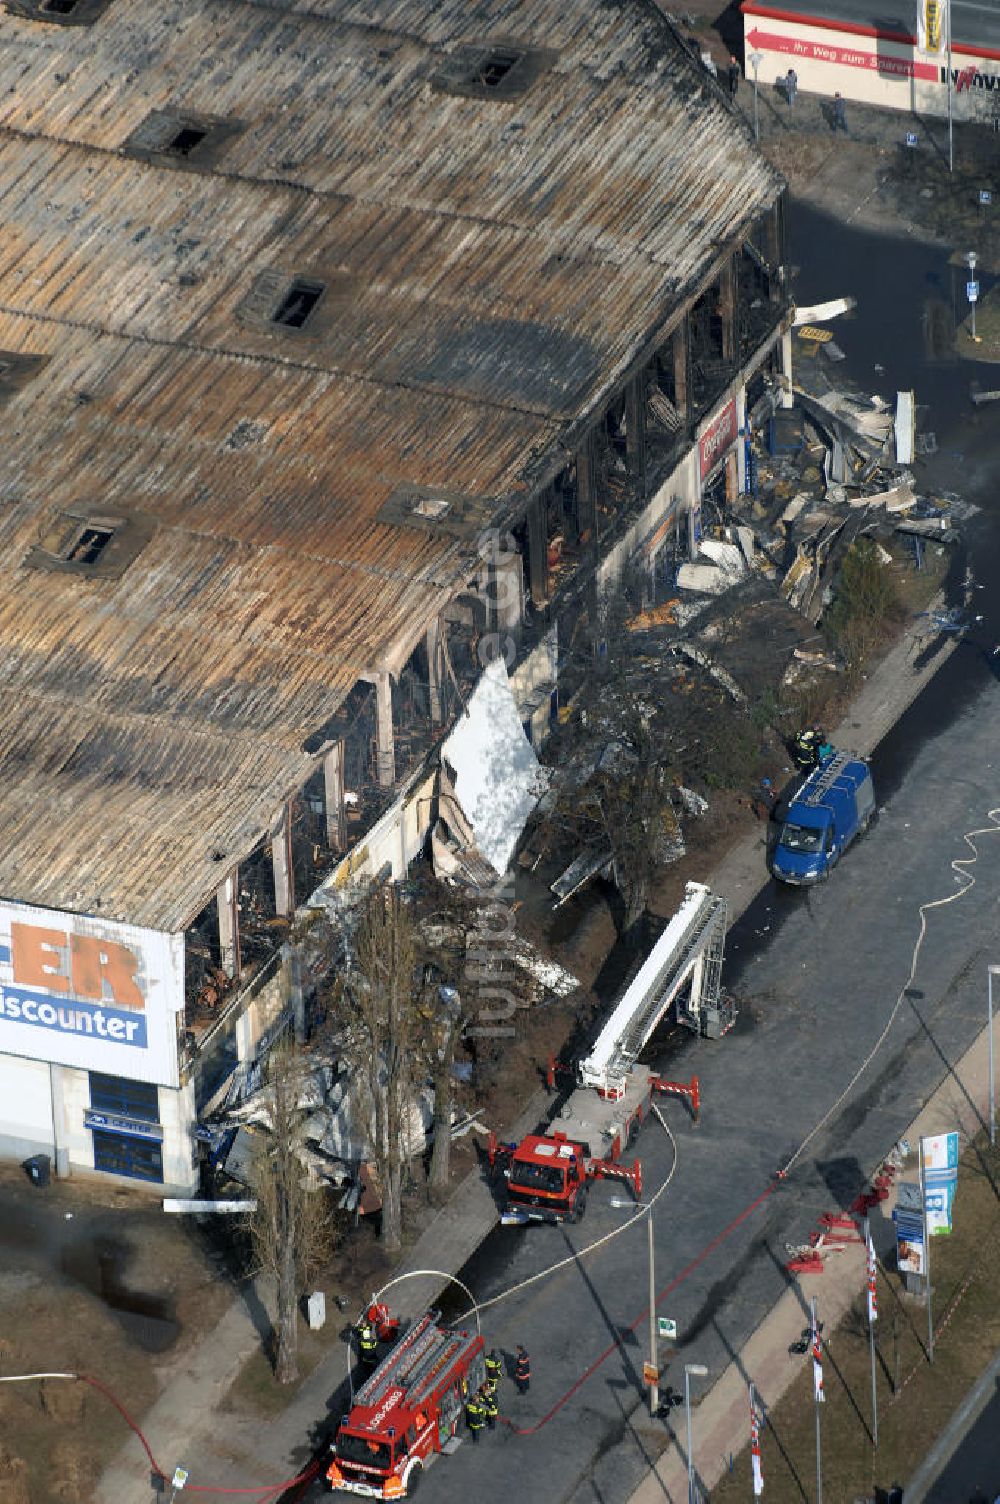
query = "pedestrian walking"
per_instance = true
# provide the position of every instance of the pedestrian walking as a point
(475, 1416)
(522, 1370)
(734, 76)
(791, 86)
(839, 115)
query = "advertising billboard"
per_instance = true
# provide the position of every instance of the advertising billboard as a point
(90, 993)
(940, 1152)
(718, 437)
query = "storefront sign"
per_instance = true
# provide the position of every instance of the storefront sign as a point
(90, 993)
(849, 57)
(109, 1122)
(717, 438)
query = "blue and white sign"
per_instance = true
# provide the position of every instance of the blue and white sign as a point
(985, 196)
(972, 291)
(112, 1122)
(909, 1241)
(911, 138)
(940, 1152)
(91, 993)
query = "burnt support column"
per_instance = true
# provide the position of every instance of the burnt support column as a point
(787, 396)
(281, 862)
(635, 431)
(682, 367)
(586, 493)
(538, 551)
(432, 646)
(727, 309)
(333, 790)
(228, 902)
(385, 742)
(774, 246)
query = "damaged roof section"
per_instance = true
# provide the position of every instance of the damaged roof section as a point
(263, 276)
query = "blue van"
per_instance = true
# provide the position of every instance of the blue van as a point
(820, 820)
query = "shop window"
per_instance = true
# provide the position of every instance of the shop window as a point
(117, 1154)
(127, 1099)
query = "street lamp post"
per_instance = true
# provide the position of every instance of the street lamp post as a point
(951, 119)
(971, 259)
(697, 1371)
(991, 972)
(638, 1206)
(756, 58)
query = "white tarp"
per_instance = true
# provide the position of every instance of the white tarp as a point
(821, 313)
(498, 779)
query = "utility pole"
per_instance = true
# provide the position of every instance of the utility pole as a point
(654, 1388)
(756, 58)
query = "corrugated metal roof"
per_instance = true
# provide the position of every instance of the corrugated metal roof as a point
(491, 267)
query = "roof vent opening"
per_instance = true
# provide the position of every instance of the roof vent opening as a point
(298, 304)
(431, 506)
(181, 138)
(88, 545)
(186, 139)
(58, 12)
(495, 66)
(501, 69)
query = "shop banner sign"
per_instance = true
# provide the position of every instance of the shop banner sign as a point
(718, 437)
(940, 1152)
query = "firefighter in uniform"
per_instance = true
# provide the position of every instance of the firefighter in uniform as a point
(494, 1366)
(475, 1416)
(805, 749)
(490, 1403)
(367, 1344)
(522, 1370)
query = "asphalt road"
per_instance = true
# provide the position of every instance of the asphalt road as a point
(973, 1474)
(820, 972)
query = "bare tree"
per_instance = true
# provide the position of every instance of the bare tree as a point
(444, 1022)
(377, 1017)
(290, 1228)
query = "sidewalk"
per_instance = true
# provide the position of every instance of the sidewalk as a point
(183, 1425)
(720, 1423)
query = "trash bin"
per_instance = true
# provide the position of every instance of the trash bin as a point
(39, 1168)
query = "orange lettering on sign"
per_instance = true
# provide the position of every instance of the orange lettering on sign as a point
(36, 958)
(95, 962)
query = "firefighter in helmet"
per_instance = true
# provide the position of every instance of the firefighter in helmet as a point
(475, 1416)
(494, 1366)
(367, 1343)
(490, 1403)
(806, 747)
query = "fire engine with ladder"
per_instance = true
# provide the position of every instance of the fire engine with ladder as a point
(547, 1174)
(408, 1411)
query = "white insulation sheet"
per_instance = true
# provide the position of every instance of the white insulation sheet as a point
(498, 778)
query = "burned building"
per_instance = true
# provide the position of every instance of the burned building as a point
(341, 348)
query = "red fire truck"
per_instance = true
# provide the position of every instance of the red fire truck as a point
(408, 1411)
(547, 1174)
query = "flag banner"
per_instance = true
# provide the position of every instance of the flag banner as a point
(940, 1153)
(872, 1285)
(930, 24)
(758, 1473)
(817, 1353)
